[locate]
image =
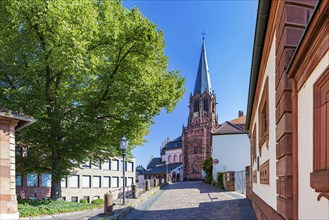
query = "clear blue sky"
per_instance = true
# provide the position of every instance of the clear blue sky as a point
(229, 27)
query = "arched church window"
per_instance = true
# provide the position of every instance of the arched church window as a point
(175, 158)
(196, 106)
(169, 159)
(205, 105)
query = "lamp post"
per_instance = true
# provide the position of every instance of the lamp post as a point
(123, 146)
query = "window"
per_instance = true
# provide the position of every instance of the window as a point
(87, 198)
(181, 158)
(97, 165)
(263, 118)
(169, 159)
(19, 180)
(175, 159)
(46, 180)
(18, 151)
(320, 175)
(96, 181)
(86, 165)
(130, 181)
(106, 182)
(205, 105)
(32, 180)
(106, 165)
(115, 165)
(96, 197)
(64, 183)
(74, 199)
(115, 182)
(196, 106)
(74, 181)
(62, 198)
(130, 167)
(86, 181)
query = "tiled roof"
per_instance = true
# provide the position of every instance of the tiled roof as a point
(174, 144)
(24, 120)
(155, 161)
(202, 82)
(163, 168)
(239, 121)
(229, 128)
(140, 169)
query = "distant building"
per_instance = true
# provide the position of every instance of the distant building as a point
(169, 164)
(140, 171)
(288, 110)
(89, 182)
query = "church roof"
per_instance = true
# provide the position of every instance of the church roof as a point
(155, 161)
(174, 144)
(202, 82)
(229, 128)
(163, 168)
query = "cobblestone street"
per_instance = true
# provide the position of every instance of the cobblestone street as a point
(193, 200)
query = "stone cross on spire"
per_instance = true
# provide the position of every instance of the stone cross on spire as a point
(203, 34)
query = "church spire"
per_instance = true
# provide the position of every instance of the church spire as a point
(202, 82)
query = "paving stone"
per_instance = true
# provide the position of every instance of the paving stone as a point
(193, 200)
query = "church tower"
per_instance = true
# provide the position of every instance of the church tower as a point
(202, 120)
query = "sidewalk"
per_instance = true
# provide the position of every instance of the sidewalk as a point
(97, 214)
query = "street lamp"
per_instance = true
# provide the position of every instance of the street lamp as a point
(123, 146)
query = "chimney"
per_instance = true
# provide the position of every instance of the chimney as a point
(240, 113)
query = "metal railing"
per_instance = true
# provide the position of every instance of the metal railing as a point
(240, 181)
(118, 195)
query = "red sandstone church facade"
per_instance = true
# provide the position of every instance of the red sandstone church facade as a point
(202, 121)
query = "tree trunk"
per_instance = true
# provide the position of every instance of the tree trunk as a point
(56, 189)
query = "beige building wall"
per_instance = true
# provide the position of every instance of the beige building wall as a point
(94, 190)
(267, 191)
(8, 201)
(309, 207)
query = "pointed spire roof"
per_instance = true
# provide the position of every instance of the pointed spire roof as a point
(202, 82)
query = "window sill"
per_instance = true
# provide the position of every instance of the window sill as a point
(319, 181)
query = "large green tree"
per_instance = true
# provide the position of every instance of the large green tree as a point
(88, 71)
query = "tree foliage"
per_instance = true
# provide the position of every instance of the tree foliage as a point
(88, 71)
(207, 167)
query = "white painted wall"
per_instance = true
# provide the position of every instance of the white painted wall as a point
(264, 191)
(232, 151)
(309, 207)
(173, 152)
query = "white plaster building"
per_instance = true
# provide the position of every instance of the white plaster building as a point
(231, 148)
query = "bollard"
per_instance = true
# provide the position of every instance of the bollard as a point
(147, 187)
(160, 181)
(108, 203)
(155, 182)
(135, 191)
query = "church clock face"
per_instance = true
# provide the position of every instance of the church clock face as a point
(195, 114)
